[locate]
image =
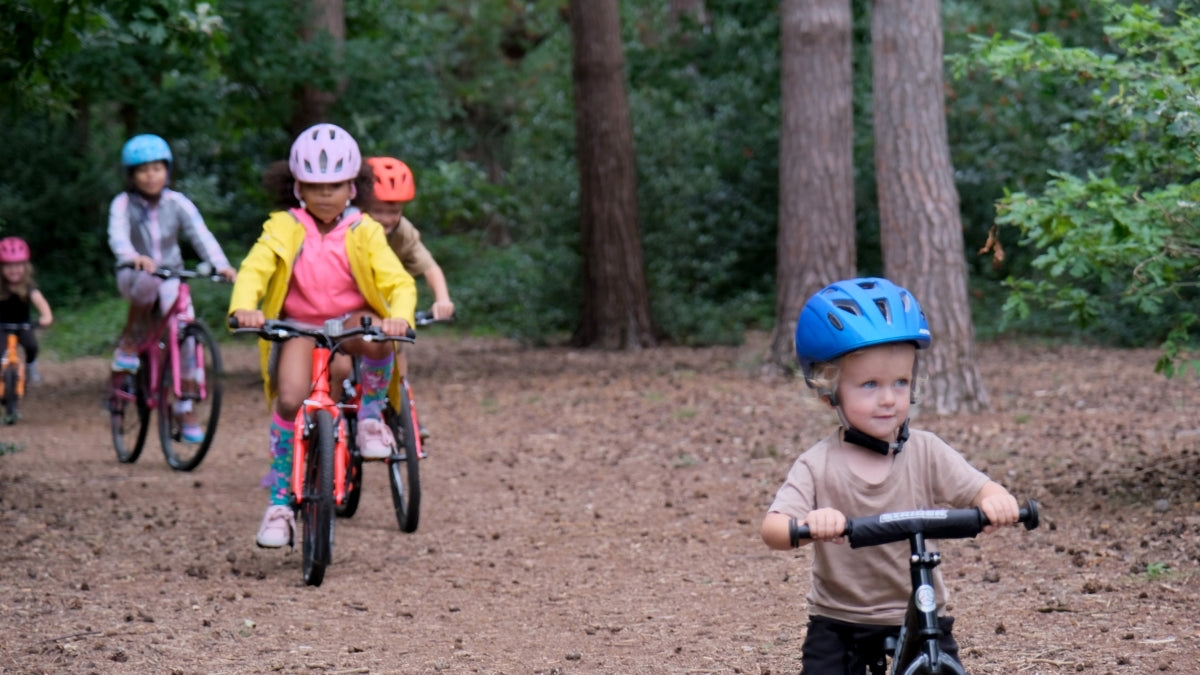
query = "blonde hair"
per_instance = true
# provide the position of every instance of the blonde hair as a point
(827, 374)
(22, 288)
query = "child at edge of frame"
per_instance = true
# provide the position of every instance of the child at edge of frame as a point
(858, 342)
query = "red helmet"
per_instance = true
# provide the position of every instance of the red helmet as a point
(393, 180)
(13, 250)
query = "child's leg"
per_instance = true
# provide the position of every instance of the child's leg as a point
(290, 371)
(835, 648)
(283, 434)
(30, 344)
(376, 374)
(141, 288)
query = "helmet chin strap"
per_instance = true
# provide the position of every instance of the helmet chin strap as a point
(869, 442)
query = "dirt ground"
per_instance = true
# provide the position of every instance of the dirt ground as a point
(588, 512)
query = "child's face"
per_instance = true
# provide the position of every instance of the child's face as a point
(874, 388)
(14, 272)
(150, 178)
(387, 213)
(325, 201)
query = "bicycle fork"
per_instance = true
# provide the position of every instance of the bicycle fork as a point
(919, 636)
(306, 426)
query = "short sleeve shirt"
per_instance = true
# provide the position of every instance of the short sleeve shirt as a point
(405, 240)
(871, 585)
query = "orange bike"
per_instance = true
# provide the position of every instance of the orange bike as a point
(403, 470)
(179, 375)
(324, 451)
(12, 387)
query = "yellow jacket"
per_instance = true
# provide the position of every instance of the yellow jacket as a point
(266, 272)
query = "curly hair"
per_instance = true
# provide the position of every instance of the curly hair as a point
(278, 183)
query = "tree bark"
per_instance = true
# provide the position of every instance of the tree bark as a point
(816, 239)
(312, 104)
(616, 304)
(920, 224)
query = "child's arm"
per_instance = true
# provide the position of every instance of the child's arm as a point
(823, 525)
(45, 316)
(997, 504)
(443, 307)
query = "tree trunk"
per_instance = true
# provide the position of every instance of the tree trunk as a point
(312, 105)
(816, 162)
(920, 224)
(616, 303)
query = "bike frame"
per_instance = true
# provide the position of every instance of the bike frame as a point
(918, 646)
(165, 335)
(320, 398)
(12, 355)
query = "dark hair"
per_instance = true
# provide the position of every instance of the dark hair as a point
(278, 183)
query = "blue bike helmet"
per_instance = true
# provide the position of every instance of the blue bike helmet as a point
(145, 148)
(856, 313)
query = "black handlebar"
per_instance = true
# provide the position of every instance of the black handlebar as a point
(886, 528)
(203, 271)
(424, 318)
(25, 325)
(280, 331)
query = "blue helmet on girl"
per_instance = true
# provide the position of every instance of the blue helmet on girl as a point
(856, 313)
(145, 148)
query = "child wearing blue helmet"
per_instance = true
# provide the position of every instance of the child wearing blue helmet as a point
(145, 223)
(857, 342)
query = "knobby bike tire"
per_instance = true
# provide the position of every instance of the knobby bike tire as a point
(921, 667)
(129, 420)
(404, 474)
(354, 476)
(181, 454)
(11, 377)
(316, 505)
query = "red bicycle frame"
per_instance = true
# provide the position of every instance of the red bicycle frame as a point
(166, 332)
(320, 398)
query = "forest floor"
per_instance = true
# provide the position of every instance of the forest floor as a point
(590, 512)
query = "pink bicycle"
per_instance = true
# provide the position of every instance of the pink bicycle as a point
(179, 375)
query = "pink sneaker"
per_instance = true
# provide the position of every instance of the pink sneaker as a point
(277, 527)
(375, 440)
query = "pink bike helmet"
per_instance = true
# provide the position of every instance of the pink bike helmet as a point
(13, 250)
(324, 153)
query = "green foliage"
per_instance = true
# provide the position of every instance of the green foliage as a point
(477, 97)
(1115, 240)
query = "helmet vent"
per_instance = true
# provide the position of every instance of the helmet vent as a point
(834, 321)
(885, 309)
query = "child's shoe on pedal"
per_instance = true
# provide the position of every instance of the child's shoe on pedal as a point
(375, 440)
(190, 430)
(277, 526)
(31, 372)
(192, 433)
(124, 361)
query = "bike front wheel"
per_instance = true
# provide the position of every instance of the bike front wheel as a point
(404, 472)
(187, 419)
(316, 504)
(129, 412)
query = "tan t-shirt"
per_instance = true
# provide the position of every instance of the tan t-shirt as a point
(871, 585)
(405, 240)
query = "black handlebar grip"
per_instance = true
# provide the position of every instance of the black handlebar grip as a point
(232, 321)
(886, 528)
